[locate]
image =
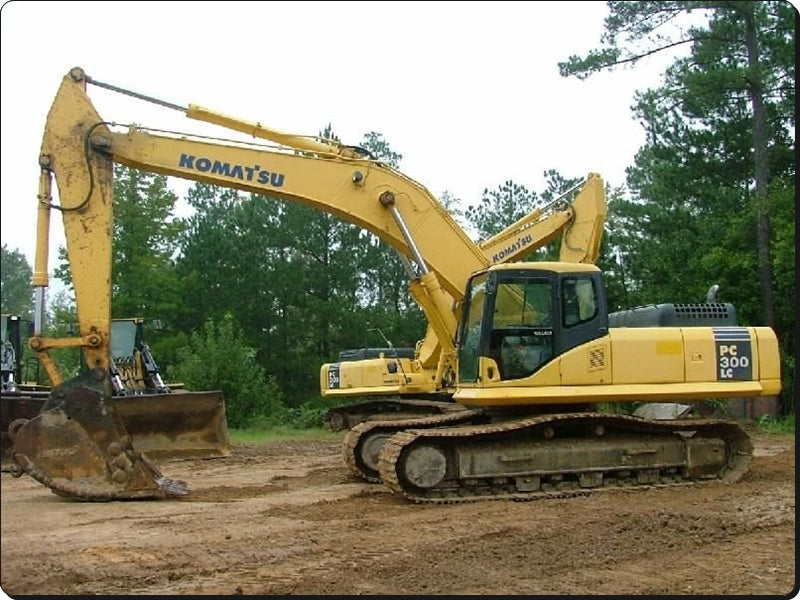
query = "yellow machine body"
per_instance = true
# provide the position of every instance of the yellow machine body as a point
(657, 364)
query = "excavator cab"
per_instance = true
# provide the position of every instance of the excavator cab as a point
(518, 319)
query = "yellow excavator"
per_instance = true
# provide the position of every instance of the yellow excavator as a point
(532, 344)
(406, 382)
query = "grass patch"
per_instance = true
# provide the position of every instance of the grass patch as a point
(782, 425)
(276, 434)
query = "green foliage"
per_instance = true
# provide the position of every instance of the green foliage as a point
(782, 425)
(380, 149)
(217, 358)
(145, 234)
(16, 291)
(255, 435)
(712, 190)
(165, 346)
(306, 416)
(302, 283)
(782, 198)
(500, 207)
(61, 319)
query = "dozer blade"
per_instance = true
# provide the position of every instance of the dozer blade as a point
(179, 424)
(16, 407)
(78, 447)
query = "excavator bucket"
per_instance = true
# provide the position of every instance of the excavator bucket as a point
(77, 446)
(179, 424)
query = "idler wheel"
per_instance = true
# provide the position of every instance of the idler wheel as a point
(337, 422)
(424, 466)
(371, 449)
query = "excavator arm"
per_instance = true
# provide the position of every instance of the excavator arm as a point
(579, 221)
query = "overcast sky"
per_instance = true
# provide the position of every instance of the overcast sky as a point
(468, 92)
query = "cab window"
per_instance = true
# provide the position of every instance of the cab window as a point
(522, 335)
(579, 297)
(470, 335)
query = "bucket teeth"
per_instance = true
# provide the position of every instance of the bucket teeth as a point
(172, 488)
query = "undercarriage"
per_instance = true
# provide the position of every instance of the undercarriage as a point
(472, 458)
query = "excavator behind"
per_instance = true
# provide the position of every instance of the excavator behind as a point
(532, 343)
(163, 420)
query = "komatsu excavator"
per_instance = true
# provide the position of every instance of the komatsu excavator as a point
(532, 343)
(412, 382)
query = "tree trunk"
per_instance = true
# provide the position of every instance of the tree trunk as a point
(761, 171)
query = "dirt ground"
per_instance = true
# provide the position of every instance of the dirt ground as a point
(287, 518)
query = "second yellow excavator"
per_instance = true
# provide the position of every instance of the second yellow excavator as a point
(400, 383)
(532, 343)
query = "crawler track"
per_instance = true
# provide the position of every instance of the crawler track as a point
(340, 418)
(559, 455)
(363, 442)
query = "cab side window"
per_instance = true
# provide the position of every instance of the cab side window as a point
(579, 297)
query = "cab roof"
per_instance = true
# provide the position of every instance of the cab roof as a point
(558, 267)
